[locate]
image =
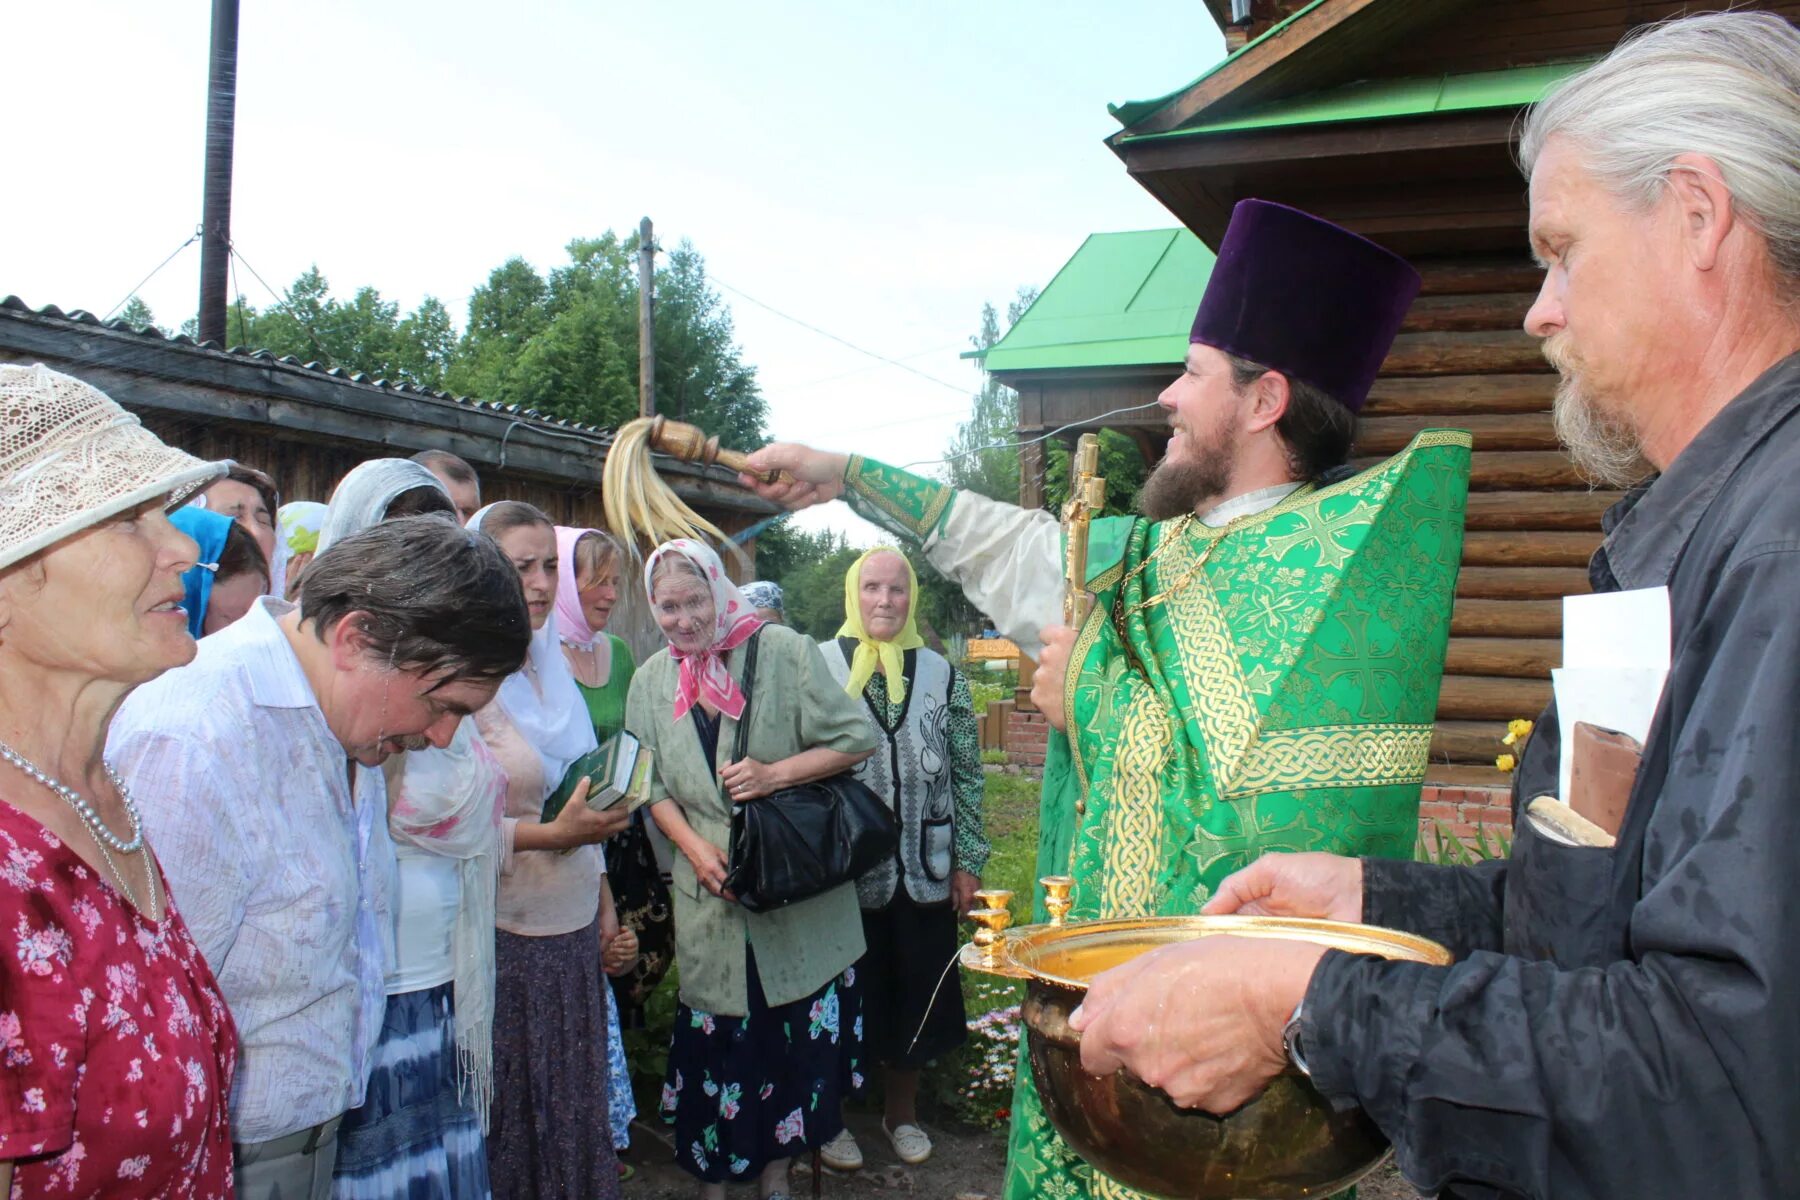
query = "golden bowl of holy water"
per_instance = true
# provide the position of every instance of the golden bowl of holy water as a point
(1288, 1142)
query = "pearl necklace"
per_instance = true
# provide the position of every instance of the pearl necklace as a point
(103, 837)
(83, 809)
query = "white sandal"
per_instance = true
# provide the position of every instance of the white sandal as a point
(842, 1153)
(910, 1143)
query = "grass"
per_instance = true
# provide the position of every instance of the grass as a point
(953, 1085)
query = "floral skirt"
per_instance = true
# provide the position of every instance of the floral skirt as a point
(745, 1091)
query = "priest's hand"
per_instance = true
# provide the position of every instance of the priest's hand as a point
(1052, 670)
(1293, 885)
(1201, 1020)
(813, 476)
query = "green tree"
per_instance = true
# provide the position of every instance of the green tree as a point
(365, 333)
(137, 315)
(991, 472)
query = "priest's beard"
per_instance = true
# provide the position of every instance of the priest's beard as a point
(1604, 447)
(1175, 488)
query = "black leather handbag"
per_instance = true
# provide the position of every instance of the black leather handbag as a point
(801, 841)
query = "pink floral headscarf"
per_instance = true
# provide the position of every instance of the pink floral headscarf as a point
(571, 622)
(703, 674)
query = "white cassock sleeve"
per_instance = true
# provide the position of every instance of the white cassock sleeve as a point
(1007, 560)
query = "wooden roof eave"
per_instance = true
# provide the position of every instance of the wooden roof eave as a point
(149, 373)
(1200, 178)
(1317, 48)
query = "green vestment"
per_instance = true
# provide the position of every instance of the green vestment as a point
(1267, 685)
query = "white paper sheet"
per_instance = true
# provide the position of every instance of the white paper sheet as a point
(1616, 649)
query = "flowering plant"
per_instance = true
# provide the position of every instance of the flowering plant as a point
(1517, 732)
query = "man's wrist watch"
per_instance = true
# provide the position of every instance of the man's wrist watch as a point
(1290, 1040)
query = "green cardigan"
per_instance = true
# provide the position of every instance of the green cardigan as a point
(796, 706)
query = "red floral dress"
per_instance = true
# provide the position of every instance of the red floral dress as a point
(116, 1048)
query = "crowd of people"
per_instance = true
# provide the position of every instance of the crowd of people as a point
(284, 917)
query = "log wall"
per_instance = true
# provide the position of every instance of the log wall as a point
(1464, 361)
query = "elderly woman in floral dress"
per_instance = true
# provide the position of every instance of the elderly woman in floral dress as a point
(116, 1049)
(767, 1037)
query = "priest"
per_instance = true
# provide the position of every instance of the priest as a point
(1260, 668)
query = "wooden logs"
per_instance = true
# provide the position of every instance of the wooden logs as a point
(1488, 352)
(1454, 394)
(1538, 510)
(1535, 548)
(1521, 583)
(1463, 313)
(1475, 697)
(1464, 275)
(1466, 775)
(1506, 618)
(1468, 741)
(1503, 656)
(1492, 431)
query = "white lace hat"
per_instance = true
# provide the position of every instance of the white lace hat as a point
(70, 458)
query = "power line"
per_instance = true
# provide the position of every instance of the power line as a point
(949, 458)
(152, 275)
(960, 389)
(312, 335)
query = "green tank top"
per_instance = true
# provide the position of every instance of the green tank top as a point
(606, 703)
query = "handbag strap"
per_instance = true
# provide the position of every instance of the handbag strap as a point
(741, 742)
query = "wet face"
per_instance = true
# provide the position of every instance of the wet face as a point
(684, 611)
(105, 603)
(230, 599)
(377, 711)
(532, 549)
(884, 596)
(1609, 309)
(245, 505)
(599, 593)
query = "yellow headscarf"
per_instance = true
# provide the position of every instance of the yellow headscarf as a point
(870, 654)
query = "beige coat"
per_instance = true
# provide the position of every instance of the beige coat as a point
(796, 706)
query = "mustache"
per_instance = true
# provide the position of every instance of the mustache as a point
(1560, 353)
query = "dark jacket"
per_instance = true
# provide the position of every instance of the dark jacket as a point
(1624, 1022)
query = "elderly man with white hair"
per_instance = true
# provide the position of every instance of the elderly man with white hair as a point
(1618, 1021)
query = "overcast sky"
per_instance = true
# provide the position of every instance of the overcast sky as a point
(877, 171)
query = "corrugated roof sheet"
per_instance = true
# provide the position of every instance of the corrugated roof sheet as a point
(82, 316)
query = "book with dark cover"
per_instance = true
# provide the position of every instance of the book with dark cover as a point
(618, 769)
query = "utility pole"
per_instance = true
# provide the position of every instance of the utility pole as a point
(215, 215)
(646, 257)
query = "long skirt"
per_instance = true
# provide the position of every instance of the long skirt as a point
(910, 945)
(642, 900)
(745, 1091)
(414, 1138)
(548, 1131)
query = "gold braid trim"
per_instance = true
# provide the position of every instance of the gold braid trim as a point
(1220, 698)
(1334, 756)
(1134, 817)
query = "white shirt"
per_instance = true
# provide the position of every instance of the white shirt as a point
(281, 875)
(427, 897)
(1009, 560)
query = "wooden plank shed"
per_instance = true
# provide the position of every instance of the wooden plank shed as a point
(1398, 120)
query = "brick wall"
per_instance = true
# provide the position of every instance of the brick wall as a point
(1026, 733)
(1469, 813)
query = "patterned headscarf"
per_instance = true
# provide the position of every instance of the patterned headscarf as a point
(763, 594)
(890, 656)
(703, 673)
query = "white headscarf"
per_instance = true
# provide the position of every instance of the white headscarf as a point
(542, 700)
(361, 497)
(446, 802)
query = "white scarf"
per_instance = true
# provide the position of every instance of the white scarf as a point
(362, 496)
(543, 702)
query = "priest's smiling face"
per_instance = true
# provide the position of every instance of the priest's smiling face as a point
(1205, 409)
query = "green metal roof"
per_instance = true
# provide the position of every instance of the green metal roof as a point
(1130, 112)
(1124, 299)
(1375, 99)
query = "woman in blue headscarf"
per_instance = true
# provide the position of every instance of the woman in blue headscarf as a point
(230, 574)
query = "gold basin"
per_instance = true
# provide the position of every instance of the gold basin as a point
(1286, 1143)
